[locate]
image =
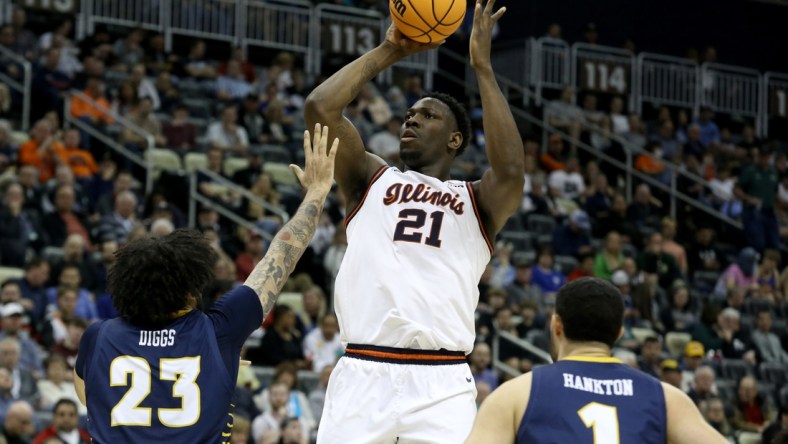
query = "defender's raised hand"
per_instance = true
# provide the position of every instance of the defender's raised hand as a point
(318, 169)
(481, 34)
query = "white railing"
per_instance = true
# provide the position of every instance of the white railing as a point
(282, 26)
(602, 69)
(23, 88)
(522, 344)
(344, 32)
(667, 80)
(774, 102)
(731, 89)
(550, 65)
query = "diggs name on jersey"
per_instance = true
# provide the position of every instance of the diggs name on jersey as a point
(157, 338)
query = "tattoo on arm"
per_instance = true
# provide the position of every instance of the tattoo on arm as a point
(270, 275)
(368, 71)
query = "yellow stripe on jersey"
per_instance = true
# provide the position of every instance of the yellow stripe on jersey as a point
(606, 360)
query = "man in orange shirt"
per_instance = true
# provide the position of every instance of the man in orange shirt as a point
(40, 151)
(80, 161)
(96, 114)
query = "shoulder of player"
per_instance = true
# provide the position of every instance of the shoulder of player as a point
(513, 396)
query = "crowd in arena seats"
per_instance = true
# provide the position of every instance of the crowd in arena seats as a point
(706, 305)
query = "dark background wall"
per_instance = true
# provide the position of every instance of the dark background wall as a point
(744, 32)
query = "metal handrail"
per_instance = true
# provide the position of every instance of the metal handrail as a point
(150, 141)
(25, 87)
(522, 343)
(217, 178)
(195, 197)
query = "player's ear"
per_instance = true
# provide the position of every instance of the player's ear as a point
(556, 325)
(620, 334)
(455, 140)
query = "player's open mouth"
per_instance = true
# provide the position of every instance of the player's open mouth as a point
(407, 136)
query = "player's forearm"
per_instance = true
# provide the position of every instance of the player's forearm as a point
(334, 94)
(271, 273)
(503, 142)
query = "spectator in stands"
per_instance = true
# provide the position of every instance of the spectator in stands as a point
(181, 135)
(670, 373)
(503, 270)
(9, 66)
(10, 292)
(544, 275)
(50, 84)
(537, 201)
(709, 132)
(666, 139)
(584, 268)
(780, 425)
(567, 183)
(157, 59)
(751, 412)
(129, 50)
(412, 89)
(23, 381)
(282, 342)
(651, 356)
(572, 238)
(247, 69)
(64, 425)
(168, 94)
(232, 85)
(126, 99)
(251, 118)
(33, 287)
(654, 261)
(670, 246)
(554, 158)
(104, 305)
(81, 162)
(41, 150)
(95, 114)
(692, 360)
(322, 346)
(713, 411)
(195, 65)
(702, 254)
(70, 346)
(599, 197)
(767, 276)
(736, 344)
(565, 115)
(709, 330)
(479, 360)
(18, 426)
(679, 314)
(55, 386)
(374, 106)
(590, 111)
(248, 176)
(703, 388)
(64, 177)
(649, 162)
(54, 329)
(636, 136)
(28, 178)
(26, 40)
(64, 220)
(386, 143)
(296, 402)
(118, 225)
(644, 212)
(241, 432)
(122, 181)
(145, 87)
(616, 220)
(226, 134)
(70, 278)
(693, 147)
(143, 118)
(313, 308)
(277, 124)
(252, 254)
(768, 343)
(739, 274)
(20, 228)
(30, 354)
(611, 258)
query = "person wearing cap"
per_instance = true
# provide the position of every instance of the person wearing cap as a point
(694, 353)
(572, 238)
(11, 322)
(739, 274)
(670, 373)
(757, 188)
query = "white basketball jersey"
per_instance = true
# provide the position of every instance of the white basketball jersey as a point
(416, 251)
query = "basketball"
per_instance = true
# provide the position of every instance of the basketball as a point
(427, 21)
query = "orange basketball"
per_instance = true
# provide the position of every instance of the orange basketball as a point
(427, 21)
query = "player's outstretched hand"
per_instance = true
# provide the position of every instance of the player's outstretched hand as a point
(481, 34)
(406, 45)
(318, 172)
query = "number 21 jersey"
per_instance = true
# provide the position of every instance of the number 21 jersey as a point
(416, 251)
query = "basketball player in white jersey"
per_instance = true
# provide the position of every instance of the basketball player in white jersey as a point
(417, 246)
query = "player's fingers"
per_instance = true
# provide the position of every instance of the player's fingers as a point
(298, 172)
(334, 147)
(477, 10)
(245, 363)
(489, 7)
(316, 136)
(307, 146)
(323, 143)
(498, 14)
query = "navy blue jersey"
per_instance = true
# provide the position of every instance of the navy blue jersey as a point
(583, 400)
(171, 385)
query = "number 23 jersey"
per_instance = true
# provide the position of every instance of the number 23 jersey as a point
(416, 252)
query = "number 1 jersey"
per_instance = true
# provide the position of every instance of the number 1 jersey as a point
(593, 400)
(410, 275)
(168, 385)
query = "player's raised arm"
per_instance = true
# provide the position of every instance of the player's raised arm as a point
(685, 423)
(501, 187)
(270, 274)
(325, 104)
